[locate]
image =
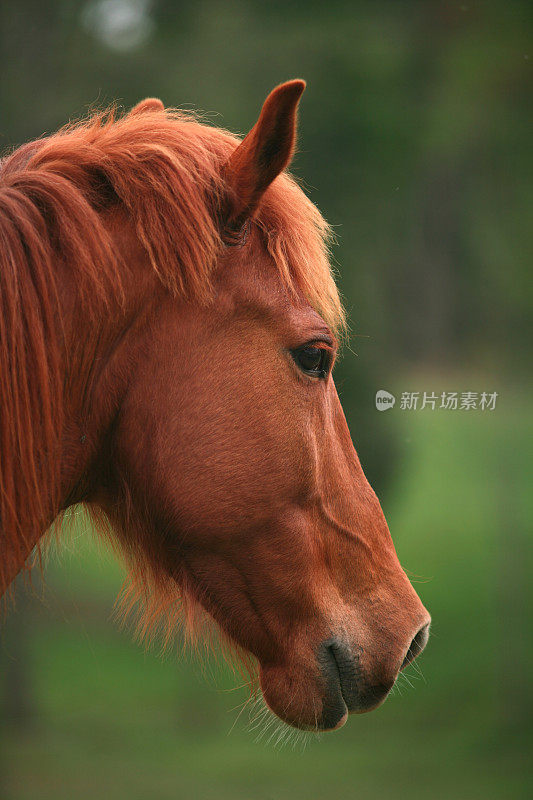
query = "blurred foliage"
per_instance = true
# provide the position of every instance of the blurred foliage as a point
(415, 142)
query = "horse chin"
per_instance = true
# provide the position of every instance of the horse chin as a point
(299, 699)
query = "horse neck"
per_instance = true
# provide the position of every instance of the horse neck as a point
(83, 389)
(100, 357)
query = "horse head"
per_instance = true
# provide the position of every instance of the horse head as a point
(210, 433)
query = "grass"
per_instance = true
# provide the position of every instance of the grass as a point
(114, 722)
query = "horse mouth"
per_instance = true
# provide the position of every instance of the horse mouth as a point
(341, 673)
(347, 690)
(338, 689)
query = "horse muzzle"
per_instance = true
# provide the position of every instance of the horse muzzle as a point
(343, 679)
(349, 689)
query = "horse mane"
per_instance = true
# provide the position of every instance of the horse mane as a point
(164, 169)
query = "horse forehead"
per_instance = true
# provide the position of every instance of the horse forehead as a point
(251, 279)
(249, 268)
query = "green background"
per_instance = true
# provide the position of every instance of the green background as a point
(415, 142)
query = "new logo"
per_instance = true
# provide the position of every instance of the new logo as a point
(384, 400)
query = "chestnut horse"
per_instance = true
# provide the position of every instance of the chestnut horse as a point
(168, 329)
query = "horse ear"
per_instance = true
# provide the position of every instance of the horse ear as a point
(150, 104)
(263, 153)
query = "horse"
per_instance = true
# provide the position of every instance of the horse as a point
(169, 325)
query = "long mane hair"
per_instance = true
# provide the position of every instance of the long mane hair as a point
(165, 170)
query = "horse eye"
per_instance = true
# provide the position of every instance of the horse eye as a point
(313, 360)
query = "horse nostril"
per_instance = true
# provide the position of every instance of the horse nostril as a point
(417, 645)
